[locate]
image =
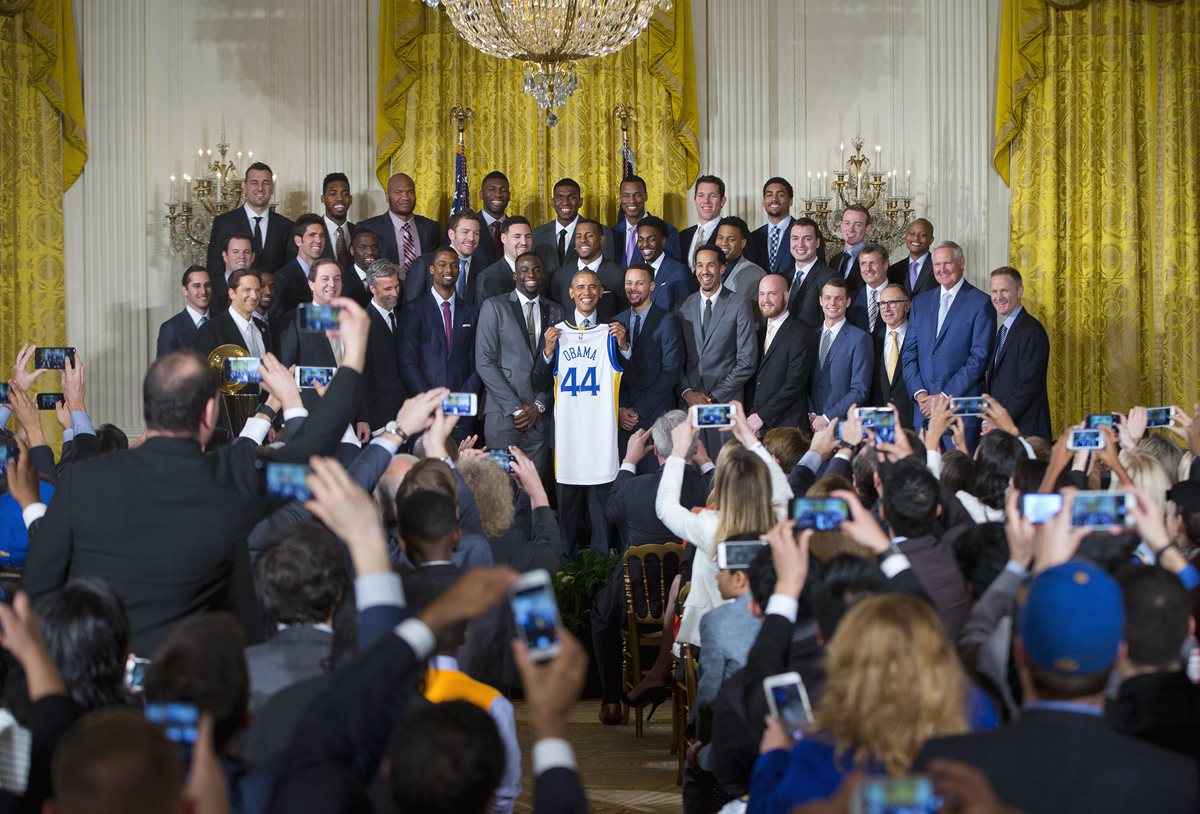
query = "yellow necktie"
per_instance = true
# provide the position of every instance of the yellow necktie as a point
(893, 354)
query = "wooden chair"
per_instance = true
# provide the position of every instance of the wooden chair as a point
(648, 572)
(678, 691)
(685, 695)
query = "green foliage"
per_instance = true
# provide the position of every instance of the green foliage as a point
(575, 587)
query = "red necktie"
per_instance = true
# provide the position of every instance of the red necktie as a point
(448, 324)
(496, 247)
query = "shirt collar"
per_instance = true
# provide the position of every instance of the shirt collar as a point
(569, 228)
(834, 329)
(777, 321)
(331, 227)
(782, 225)
(448, 663)
(902, 330)
(397, 221)
(251, 214)
(712, 296)
(382, 312)
(489, 220)
(592, 266)
(1011, 318)
(801, 270)
(657, 262)
(242, 324)
(439, 299)
(523, 299)
(1064, 706)
(957, 287)
(193, 313)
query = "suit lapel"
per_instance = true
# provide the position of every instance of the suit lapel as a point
(955, 307)
(1013, 333)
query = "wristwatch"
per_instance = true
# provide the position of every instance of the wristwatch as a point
(843, 445)
(541, 408)
(266, 410)
(891, 550)
(394, 429)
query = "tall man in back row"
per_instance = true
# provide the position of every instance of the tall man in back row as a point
(269, 230)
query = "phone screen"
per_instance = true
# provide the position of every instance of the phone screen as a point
(48, 401)
(178, 722)
(1038, 509)
(881, 420)
(735, 555)
(897, 795)
(288, 481)
(8, 455)
(967, 406)
(820, 513)
(504, 458)
(135, 673)
(3, 392)
(1099, 510)
(1096, 420)
(52, 358)
(536, 615)
(315, 317)
(1159, 416)
(1085, 439)
(713, 415)
(459, 404)
(790, 702)
(243, 369)
(310, 377)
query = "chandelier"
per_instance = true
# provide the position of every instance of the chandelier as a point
(550, 36)
(879, 192)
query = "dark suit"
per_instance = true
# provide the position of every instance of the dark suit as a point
(852, 276)
(292, 655)
(485, 253)
(1016, 376)
(494, 280)
(653, 369)
(297, 347)
(1059, 761)
(671, 286)
(177, 333)
(165, 525)
(331, 239)
(778, 392)
(886, 391)
(222, 330)
(385, 387)
(688, 235)
(804, 296)
(426, 362)
(953, 361)
(428, 234)
(354, 286)
(758, 249)
(419, 281)
(858, 314)
(937, 570)
(670, 247)
(898, 273)
(545, 246)
(1159, 708)
(612, 280)
(846, 377)
(236, 222)
(291, 289)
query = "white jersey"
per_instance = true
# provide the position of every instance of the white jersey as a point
(587, 379)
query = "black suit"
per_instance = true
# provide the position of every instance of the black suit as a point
(853, 277)
(291, 289)
(858, 314)
(354, 287)
(1056, 761)
(429, 235)
(778, 392)
(1159, 708)
(485, 253)
(331, 240)
(892, 390)
(419, 280)
(804, 302)
(385, 387)
(612, 280)
(898, 275)
(654, 367)
(236, 222)
(222, 330)
(177, 333)
(1016, 375)
(165, 525)
(758, 250)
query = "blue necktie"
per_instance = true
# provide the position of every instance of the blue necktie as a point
(462, 277)
(1000, 344)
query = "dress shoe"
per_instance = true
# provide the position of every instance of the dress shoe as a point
(610, 714)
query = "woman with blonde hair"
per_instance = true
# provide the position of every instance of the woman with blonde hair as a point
(893, 681)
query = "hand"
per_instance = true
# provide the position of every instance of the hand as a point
(527, 415)
(823, 441)
(774, 736)
(21, 376)
(700, 456)
(1181, 423)
(440, 428)
(628, 418)
(27, 415)
(695, 397)
(963, 788)
(756, 424)
(416, 413)
(958, 435)
(472, 454)
(852, 431)
(552, 687)
(63, 415)
(1110, 456)
(1148, 523)
(862, 527)
(790, 555)
(74, 384)
(528, 478)
(1060, 457)
(21, 635)
(362, 431)
(741, 428)
(206, 790)
(637, 447)
(1020, 533)
(280, 382)
(476, 592)
(23, 478)
(1059, 540)
(818, 422)
(618, 330)
(353, 327)
(350, 513)
(998, 417)
(924, 404)
(468, 443)
(898, 449)
(551, 337)
(693, 754)
(1133, 427)
(681, 438)
(940, 416)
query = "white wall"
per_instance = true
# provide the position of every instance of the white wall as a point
(780, 84)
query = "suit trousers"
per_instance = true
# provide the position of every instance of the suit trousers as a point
(609, 617)
(580, 512)
(499, 433)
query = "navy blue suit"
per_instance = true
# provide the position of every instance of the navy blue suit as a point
(671, 285)
(846, 377)
(648, 384)
(426, 362)
(670, 248)
(1016, 375)
(955, 360)
(858, 315)
(758, 249)
(177, 333)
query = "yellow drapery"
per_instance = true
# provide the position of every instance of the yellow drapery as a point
(1101, 119)
(425, 68)
(42, 151)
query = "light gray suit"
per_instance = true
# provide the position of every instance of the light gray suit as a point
(722, 361)
(295, 654)
(744, 280)
(545, 246)
(504, 362)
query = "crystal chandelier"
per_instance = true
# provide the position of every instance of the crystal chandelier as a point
(549, 36)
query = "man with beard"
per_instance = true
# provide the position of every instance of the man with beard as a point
(463, 232)
(336, 198)
(778, 392)
(589, 246)
(656, 360)
(741, 275)
(492, 218)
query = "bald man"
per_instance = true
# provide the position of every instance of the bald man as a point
(403, 235)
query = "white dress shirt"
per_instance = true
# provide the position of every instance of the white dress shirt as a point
(194, 314)
(262, 224)
(249, 332)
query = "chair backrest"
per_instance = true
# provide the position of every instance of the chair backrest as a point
(649, 571)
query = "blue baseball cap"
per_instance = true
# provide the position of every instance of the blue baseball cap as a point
(1073, 619)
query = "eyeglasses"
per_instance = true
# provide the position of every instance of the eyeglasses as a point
(891, 303)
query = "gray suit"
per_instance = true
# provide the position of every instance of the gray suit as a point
(295, 654)
(721, 362)
(505, 363)
(744, 279)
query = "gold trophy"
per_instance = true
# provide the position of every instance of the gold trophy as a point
(237, 406)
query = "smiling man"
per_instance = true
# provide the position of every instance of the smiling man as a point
(463, 232)
(709, 199)
(589, 246)
(554, 242)
(403, 234)
(856, 225)
(845, 360)
(494, 195)
(515, 239)
(915, 271)
(180, 331)
(291, 280)
(236, 326)
(268, 229)
(670, 276)
(632, 204)
(336, 198)
(1016, 375)
(769, 242)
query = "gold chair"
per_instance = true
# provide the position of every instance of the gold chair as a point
(685, 695)
(648, 572)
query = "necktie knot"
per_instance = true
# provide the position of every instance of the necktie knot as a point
(203, 319)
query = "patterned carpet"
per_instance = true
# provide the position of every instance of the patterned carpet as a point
(621, 773)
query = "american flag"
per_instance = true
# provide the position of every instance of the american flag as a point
(462, 195)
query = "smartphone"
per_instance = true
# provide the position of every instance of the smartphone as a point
(820, 513)
(3, 392)
(8, 454)
(52, 358)
(968, 406)
(309, 377)
(1102, 510)
(1094, 421)
(708, 416)
(882, 420)
(315, 317)
(1038, 509)
(1160, 416)
(178, 722)
(738, 554)
(135, 673)
(911, 794)
(788, 701)
(1085, 439)
(48, 401)
(460, 404)
(504, 458)
(288, 481)
(243, 369)
(535, 613)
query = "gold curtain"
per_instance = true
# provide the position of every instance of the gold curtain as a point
(1099, 108)
(42, 151)
(425, 68)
